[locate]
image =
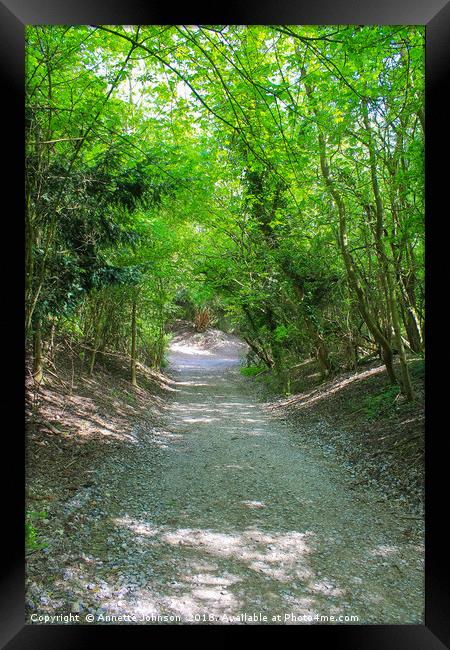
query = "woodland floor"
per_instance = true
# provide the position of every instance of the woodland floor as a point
(190, 496)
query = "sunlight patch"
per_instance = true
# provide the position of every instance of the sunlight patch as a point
(138, 527)
(279, 556)
(384, 551)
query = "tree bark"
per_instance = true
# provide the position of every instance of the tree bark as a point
(92, 361)
(29, 265)
(410, 316)
(133, 341)
(363, 303)
(257, 347)
(406, 384)
(37, 352)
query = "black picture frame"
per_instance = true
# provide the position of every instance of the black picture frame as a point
(14, 15)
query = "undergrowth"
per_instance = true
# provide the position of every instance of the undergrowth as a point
(33, 540)
(383, 403)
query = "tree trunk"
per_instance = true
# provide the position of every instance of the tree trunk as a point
(363, 303)
(94, 349)
(406, 385)
(261, 354)
(37, 352)
(324, 360)
(92, 361)
(406, 282)
(409, 312)
(29, 266)
(412, 329)
(258, 346)
(388, 360)
(322, 354)
(133, 342)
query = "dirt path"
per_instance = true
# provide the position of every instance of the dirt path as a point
(226, 512)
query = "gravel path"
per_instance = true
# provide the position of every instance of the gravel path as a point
(226, 515)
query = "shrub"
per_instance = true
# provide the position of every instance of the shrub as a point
(251, 371)
(32, 541)
(376, 405)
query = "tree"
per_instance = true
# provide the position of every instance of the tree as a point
(271, 174)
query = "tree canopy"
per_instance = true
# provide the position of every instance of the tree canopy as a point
(270, 175)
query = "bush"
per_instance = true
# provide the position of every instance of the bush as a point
(418, 369)
(251, 371)
(376, 405)
(32, 541)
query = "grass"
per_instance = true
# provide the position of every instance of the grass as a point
(251, 371)
(383, 404)
(417, 369)
(32, 535)
(380, 404)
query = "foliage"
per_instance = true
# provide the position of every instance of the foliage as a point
(268, 176)
(379, 405)
(33, 541)
(251, 371)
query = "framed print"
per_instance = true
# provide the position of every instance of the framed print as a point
(228, 242)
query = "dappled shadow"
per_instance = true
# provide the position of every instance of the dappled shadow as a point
(220, 514)
(138, 567)
(198, 571)
(316, 395)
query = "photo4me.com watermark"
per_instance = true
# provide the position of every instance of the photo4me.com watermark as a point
(254, 617)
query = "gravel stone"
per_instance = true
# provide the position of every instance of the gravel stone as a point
(219, 526)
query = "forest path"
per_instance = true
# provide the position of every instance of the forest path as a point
(226, 511)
